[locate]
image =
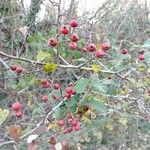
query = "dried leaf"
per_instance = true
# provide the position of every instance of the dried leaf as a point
(3, 115)
(15, 132)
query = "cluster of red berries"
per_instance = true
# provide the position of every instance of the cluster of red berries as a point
(16, 68)
(65, 30)
(98, 53)
(16, 107)
(70, 92)
(71, 121)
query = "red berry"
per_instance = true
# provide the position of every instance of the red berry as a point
(61, 122)
(54, 97)
(44, 81)
(64, 30)
(68, 130)
(13, 67)
(18, 114)
(53, 140)
(74, 122)
(56, 86)
(68, 90)
(105, 46)
(148, 94)
(141, 52)
(19, 69)
(91, 47)
(84, 50)
(148, 91)
(16, 106)
(99, 53)
(69, 116)
(68, 95)
(77, 127)
(109, 77)
(74, 37)
(44, 98)
(73, 92)
(124, 51)
(141, 57)
(73, 23)
(52, 41)
(72, 45)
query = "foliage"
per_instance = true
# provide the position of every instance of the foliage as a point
(109, 95)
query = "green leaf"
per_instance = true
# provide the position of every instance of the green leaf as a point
(146, 44)
(97, 105)
(81, 85)
(3, 115)
(42, 55)
(97, 85)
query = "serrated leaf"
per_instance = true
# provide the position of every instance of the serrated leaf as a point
(3, 115)
(97, 85)
(81, 85)
(146, 44)
(97, 105)
(42, 55)
(49, 67)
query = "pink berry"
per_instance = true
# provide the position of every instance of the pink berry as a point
(52, 42)
(73, 23)
(13, 67)
(68, 90)
(124, 51)
(56, 86)
(74, 122)
(91, 47)
(105, 46)
(16, 106)
(99, 53)
(141, 57)
(68, 95)
(72, 45)
(77, 127)
(64, 30)
(19, 70)
(73, 92)
(18, 114)
(44, 98)
(74, 37)
(61, 122)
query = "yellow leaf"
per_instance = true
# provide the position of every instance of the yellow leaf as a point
(109, 126)
(49, 67)
(3, 115)
(85, 119)
(43, 55)
(98, 46)
(53, 127)
(96, 68)
(123, 121)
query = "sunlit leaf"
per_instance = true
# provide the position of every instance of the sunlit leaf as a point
(96, 68)
(3, 115)
(49, 67)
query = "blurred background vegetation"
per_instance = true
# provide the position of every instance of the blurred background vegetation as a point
(124, 23)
